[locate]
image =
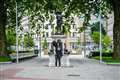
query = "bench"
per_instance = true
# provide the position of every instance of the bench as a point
(22, 56)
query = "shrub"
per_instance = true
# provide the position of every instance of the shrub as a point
(106, 41)
(4, 59)
(45, 44)
(24, 51)
(10, 51)
(97, 53)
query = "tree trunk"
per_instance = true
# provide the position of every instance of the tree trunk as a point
(116, 29)
(3, 17)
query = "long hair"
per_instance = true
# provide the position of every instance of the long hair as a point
(54, 43)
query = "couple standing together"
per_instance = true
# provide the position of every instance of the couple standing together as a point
(57, 47)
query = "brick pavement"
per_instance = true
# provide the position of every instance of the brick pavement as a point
(37, 69)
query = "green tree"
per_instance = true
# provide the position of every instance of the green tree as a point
(11, 37)
(31, 42)
(78, 42)
(96, 37)
(66, 28)
(116, 28)
(95, 27)
(45, 44)
(3, 18)
(28, 41)
(106, 41)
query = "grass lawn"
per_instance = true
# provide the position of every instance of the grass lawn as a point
(108, 59)
(4, 59)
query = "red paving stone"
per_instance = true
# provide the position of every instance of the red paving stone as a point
(20, 78)
(9, 74)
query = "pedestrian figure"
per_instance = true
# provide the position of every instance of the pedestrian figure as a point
(58, 54)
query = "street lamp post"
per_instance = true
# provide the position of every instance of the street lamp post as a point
(17, 56)
(84, 43)
(100, 43)
(39, 47)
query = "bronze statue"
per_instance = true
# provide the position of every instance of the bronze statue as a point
(59, 23)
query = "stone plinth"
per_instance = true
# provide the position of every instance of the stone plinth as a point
(65, 60)
(52, 60)
(58, 37)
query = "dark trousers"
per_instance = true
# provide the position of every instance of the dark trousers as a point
(57, 60)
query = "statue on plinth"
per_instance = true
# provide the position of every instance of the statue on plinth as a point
(59, 23)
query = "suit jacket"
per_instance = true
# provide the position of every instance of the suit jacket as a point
(59, 49)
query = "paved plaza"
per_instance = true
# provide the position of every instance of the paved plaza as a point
(80, 69)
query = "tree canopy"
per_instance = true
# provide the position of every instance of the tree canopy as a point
(34, 8)
(67, 7)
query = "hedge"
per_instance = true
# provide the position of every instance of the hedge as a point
(97, 53)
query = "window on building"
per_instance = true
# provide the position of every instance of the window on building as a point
(73, 34)
(76, 29)
(46, 27)
(74, 45)
(47, 35)
(43, 35)
(73, 26)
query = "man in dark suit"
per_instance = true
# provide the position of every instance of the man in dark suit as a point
(58, 54)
